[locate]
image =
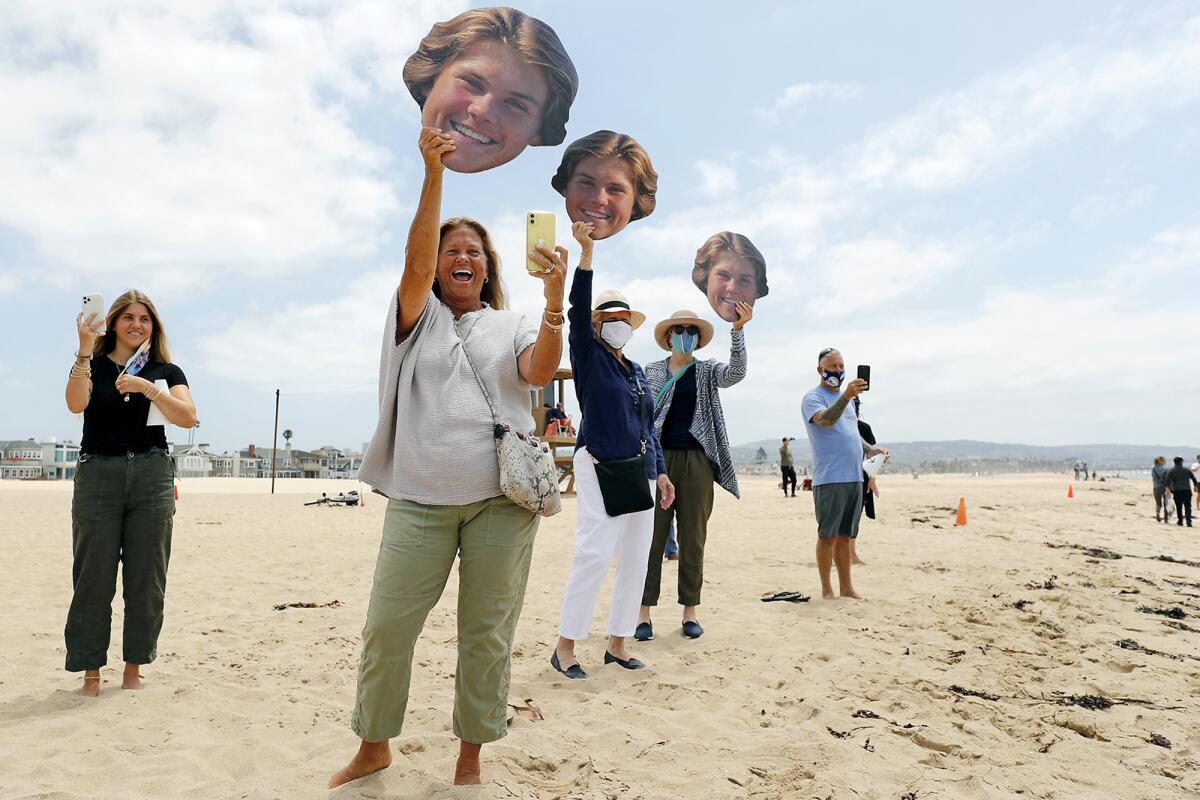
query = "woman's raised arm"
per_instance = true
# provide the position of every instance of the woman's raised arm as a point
(420, 255)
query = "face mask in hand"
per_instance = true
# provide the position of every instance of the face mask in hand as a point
(683, 343)
(616, 333)
(833, 379)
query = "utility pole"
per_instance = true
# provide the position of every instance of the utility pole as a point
(275, 442)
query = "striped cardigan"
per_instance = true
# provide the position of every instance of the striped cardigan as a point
(708, 423)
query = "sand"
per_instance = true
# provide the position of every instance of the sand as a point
(837, 699)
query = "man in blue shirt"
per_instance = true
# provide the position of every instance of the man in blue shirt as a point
(837, 451)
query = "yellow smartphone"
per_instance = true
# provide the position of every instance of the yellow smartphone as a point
(539, 229)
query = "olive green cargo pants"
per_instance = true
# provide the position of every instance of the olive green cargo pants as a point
(493, 540)
(122, 513)
(692, 475)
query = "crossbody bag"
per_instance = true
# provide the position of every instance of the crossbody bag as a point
(623, 483)
(528, 476)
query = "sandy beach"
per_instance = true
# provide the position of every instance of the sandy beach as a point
(840, 699)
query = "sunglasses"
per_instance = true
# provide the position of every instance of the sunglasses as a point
(681, 329)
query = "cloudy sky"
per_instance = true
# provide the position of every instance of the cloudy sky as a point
(992, 207)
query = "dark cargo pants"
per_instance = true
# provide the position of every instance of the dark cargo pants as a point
(121, 513)
(692, 475)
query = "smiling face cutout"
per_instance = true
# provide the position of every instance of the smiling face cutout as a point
(496, 81)
(607, 179)
(729, 269)
(490, 102)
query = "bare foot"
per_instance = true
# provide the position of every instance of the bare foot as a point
(466, 771)
(371, 757)
(857, 561)
(91, 683)
(132, 677)
(827, 594)
(851, 594)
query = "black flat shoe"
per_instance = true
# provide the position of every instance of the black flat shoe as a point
(628, 663)
(692, 629)
(644, 632)
(574, 672)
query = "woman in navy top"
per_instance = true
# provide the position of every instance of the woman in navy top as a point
(617, 418)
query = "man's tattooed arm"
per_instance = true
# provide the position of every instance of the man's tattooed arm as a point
(829, 417)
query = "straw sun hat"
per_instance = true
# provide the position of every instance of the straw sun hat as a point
(612, 300)
(662, 331)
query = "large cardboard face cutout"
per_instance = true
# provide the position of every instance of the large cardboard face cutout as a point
(607, 179)
(496, 80)
(729, 269)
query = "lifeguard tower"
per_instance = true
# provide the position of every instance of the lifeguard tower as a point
(563, 436)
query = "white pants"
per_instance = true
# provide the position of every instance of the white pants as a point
(598, 537)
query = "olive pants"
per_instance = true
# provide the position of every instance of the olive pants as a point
(122, 513)
(691, 473)
(493, 540)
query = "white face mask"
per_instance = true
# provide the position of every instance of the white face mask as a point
(616, 333)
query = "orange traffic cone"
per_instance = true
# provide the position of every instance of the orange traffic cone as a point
(1070, 490)
(961, 518)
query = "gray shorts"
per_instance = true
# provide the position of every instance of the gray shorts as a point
(839, 506)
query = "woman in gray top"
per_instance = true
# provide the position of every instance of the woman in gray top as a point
(433, 456)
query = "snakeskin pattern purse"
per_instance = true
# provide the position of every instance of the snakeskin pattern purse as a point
(528, 476)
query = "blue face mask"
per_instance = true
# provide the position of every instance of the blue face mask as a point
(833, 379)
(684, 343)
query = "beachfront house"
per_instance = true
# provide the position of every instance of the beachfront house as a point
(192, 460)
(29, 459)
(238, 464)
(342, 465)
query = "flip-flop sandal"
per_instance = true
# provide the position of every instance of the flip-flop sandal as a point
(789, 597)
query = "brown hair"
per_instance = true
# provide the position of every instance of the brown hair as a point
(159, 351)
(609, 144)
(492, 292)
(727, 242)
(532, 40)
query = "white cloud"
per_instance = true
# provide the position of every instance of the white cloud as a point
(799, 95)
(198, 139)
(716, 178)
(958, 137)
(869, 273)
(1102, 205)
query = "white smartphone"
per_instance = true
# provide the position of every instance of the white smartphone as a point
(539, 229)
(94, 304)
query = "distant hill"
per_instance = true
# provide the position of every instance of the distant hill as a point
(963, 455)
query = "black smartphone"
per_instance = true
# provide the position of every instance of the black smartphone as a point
(864, 373)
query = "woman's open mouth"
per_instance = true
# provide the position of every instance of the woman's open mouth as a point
(462, 275)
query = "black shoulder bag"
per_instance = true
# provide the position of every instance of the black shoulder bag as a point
(623, 483)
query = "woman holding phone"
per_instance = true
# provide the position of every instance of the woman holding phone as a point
(616, 426)
(433, 455)
(123, 503)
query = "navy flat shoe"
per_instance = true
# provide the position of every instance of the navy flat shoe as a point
(644, 632)
(628, 663)
(692, 629)
(574, 672)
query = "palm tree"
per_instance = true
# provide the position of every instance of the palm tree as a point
(287, 438)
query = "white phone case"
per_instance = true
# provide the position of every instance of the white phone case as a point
(94, 304)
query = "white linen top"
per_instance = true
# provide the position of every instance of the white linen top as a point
(433, 443)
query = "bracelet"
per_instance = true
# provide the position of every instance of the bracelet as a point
(553, 328)
(157, 393)
(558, 315)
(80, 372)
(82, 358)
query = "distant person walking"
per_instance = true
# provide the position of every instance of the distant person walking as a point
(1158, 478)
(1084, 471)
(1180, 481)
(123, 503)
(787, 466)
(1196, 472)
(837, 450)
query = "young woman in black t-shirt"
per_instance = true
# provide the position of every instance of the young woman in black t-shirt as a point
(123, 503)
